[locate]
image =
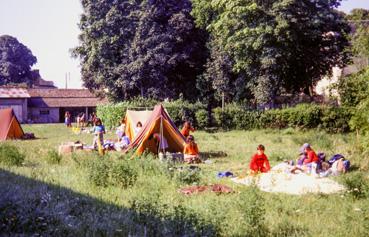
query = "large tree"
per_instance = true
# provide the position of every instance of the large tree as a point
(277, 46)
(16, 61)
(148, 48)
(359, 19)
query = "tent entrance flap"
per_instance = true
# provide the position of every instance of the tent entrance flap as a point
(132, 118)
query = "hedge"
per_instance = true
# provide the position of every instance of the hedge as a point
(304, 116)
(179, 111)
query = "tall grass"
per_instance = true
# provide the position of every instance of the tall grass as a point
(114, 195)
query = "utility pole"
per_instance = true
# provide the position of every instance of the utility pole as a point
(66, 80)
(69, 77)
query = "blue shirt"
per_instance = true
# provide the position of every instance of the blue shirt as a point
(99, 129)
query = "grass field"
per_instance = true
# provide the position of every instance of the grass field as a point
(59, 199)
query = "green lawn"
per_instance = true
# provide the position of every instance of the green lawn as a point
(59, 199)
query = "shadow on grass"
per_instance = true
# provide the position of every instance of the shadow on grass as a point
(213, 154)
(34, 208)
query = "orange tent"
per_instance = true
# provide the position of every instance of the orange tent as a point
(159, 122)
(132, 118)
(9, 126)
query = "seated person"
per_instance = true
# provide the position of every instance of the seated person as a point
(187, 128)
(259, 161)
(309, 162)
(123, 143)
(310, 154)
(138, 128)
(191, 151)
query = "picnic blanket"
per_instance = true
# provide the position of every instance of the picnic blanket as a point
(296, 184)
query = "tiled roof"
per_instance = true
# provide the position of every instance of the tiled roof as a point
(42, 98)
(13, 93)
(61, 93)
(39, 102)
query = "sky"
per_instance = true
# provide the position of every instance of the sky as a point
(49, 29)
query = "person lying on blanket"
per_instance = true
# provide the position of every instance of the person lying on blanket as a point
(259, 161)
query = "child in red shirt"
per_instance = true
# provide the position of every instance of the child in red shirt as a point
(259, 161)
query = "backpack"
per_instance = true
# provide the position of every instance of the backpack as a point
(335, 158)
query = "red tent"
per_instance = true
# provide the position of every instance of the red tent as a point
(9, 126)
(159, 122)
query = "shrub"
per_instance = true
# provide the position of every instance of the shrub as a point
(53, 157)
(336, 119)
(353, 89)
(188, 175)
(202, 118)
(160, 219)
(179, 110)
(98, 171)
(357, 185)
(251, 205)
(10, 155)
(287, 229)
(123, 174)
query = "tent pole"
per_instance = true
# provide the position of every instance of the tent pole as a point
(161, 134)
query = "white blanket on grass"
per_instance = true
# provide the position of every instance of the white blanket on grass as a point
(296, 184)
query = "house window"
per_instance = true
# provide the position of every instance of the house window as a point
(44, 112)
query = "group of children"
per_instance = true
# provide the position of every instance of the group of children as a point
(190, 151)
(308, 162)
(80, 119)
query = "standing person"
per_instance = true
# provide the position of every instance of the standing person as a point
(191, 151)
(259, 161)
(187, 128)
(67, 120)
(78, 120)
(99, 131)
(82, 119)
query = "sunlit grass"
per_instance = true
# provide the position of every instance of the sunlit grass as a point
(309, 215)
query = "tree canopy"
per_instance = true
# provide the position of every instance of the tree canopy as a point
(359, 19)
(277, 46)
(16, 61)
(148, 48)
(250, 50)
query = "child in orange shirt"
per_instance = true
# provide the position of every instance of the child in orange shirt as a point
(191, 151)
(259, 161)
(187, 128)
